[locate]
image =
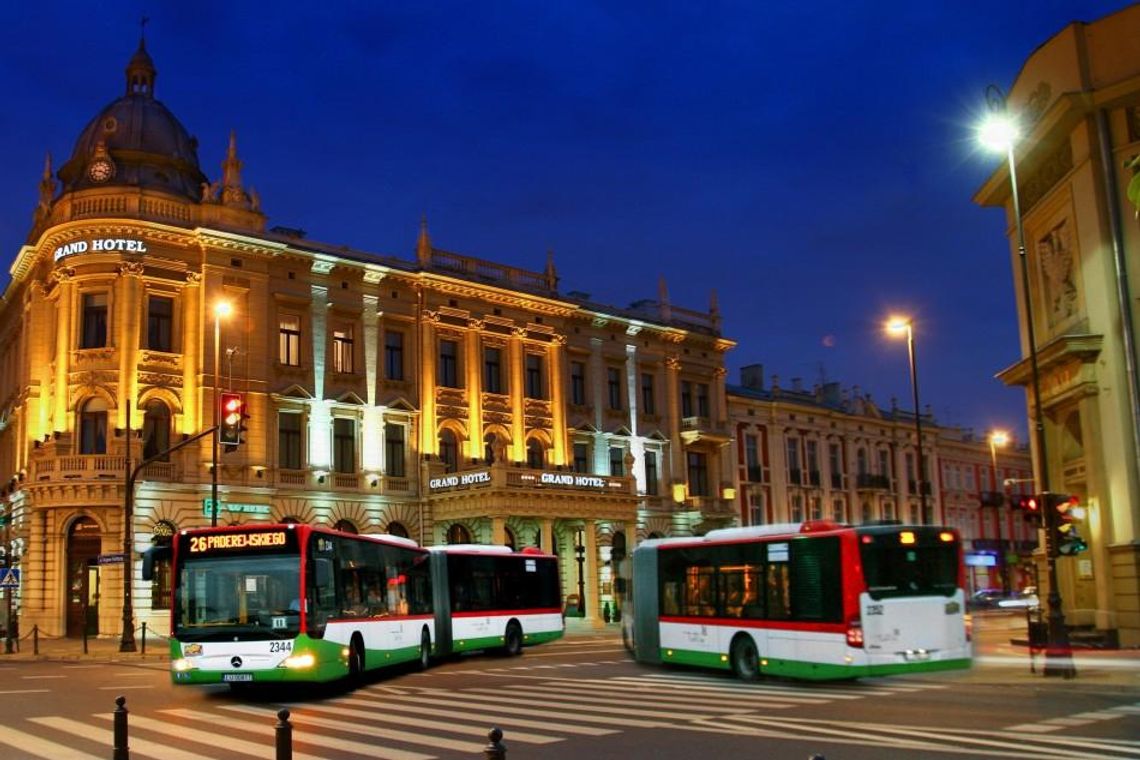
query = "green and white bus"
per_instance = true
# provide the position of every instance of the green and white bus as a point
(271, 603)
(817, 600)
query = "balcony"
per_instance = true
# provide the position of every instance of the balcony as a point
(865, 481)
(694, 429)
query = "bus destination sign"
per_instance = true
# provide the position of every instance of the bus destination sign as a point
(224, 542)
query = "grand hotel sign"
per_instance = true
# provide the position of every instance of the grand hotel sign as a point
(538, 479)
(99, 245)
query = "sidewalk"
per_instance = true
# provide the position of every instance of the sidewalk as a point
(96, 649)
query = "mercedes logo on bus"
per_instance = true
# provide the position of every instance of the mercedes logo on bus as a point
(236, 662)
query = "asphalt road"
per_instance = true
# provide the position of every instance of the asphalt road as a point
(578, 698)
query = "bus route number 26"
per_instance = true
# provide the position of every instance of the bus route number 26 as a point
(280, 646)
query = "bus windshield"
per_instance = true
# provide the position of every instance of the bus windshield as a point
(893, 569)
(251, 597)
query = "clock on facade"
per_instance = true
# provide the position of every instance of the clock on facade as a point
(101, 170)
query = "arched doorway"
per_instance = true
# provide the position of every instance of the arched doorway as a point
(345, 526)
(397, 529)
(84, 542)
(458, 534)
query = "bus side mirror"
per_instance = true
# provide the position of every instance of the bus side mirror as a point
(150, 556)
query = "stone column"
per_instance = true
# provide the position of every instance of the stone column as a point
(516, 352)
(474, 363)
(429, 442)
(593, 577)
(498, 530)
(63, 342)
(193, 349)
(546, 534)
(130, 306)
(556, 380)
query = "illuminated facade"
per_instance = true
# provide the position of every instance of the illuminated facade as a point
(441, 397)
(826, 453)
(1077, 99)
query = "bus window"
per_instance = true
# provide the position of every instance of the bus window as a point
(924, 568)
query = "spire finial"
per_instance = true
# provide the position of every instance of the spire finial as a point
(47, 189)
(233, 194)
(140, 69)
(423, 244)
(142, 29)
(551, 273)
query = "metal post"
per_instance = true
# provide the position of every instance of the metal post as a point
(1058, 654)
(284, 736)
(1003, 563)
(144, 637)
(127, 641)
(8, 591)
(495, 749)
(36, 639)
(214, 400)
(921, 477)
(120, 751)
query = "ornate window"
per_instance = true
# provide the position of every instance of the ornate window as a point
(156, 430)
(160, 323)
(289, 340)
(94, 329)
(93, 427)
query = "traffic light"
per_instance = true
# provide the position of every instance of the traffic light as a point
(1030, 507)
(233, 417)
(1067, 540)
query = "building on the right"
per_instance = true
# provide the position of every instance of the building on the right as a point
(1077, 103)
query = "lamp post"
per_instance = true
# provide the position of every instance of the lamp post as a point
(999, 438)
(221, 309)
(898, 326)
(999, 132)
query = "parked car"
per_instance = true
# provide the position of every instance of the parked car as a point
(985, 599)
(1027, 597)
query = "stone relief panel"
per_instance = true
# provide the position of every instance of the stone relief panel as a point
(1058, 270)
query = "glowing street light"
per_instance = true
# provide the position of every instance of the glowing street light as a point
(1000, 132)
(899, 326)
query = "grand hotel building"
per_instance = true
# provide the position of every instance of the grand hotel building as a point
(441, 397)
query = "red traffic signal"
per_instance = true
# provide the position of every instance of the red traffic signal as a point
(233, 412)
(1030, 506)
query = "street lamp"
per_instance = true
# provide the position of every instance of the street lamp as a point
(999, 132)
(221, 309)
(999, 438)
(897, 326)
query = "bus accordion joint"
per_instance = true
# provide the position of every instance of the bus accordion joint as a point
(855, 633)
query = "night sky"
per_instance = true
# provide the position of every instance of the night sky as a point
(811, 162)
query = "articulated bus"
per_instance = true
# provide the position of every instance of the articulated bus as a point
(268, 603)
(817, 600)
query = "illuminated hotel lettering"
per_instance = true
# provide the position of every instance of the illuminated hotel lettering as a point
(100, 245)
(460, 479)
(571, 480)
(236, 541)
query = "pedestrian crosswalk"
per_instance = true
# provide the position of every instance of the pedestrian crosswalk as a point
(410, 721)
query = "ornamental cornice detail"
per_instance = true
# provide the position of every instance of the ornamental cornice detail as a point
(132, 269)
(193, 279)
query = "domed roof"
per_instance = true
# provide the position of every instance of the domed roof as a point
(136, 141)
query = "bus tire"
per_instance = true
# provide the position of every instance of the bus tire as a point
(512, 641)
(627, 640)
(356, 659)
(425, 650)
(745, 658)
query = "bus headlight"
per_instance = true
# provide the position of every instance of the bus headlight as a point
(181, 665)
(300, 661)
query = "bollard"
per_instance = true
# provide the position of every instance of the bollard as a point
(495, 749)
(121, 751)
(35, 639)
(84, 639)
(284, 736)
(144, 637)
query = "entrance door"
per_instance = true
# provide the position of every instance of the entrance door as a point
(83, 544)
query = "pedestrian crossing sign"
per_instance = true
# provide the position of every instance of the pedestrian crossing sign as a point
(9, 578)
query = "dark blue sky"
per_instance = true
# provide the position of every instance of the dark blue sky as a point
(811, 162)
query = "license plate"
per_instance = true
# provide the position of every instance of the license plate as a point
(237, 676)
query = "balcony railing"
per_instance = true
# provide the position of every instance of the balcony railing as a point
(866, 480)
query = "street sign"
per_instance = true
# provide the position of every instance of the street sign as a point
(109, 559)
(9, 578)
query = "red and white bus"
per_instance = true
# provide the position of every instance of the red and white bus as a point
(266, 603)
(817, 600)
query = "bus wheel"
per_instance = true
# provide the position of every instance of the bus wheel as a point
(425, 650)
(627, 639)
(513, 640)
(745, 658)
(356, 660)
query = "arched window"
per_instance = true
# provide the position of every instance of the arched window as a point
(489, 447)
(345, 526)
(156, 430)
(449, 450)
(397, 529)
(535, 455)
(93, 427)
(458, 534)
(510, 536)
(618, 547)
(655, 534)
(290, 520)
